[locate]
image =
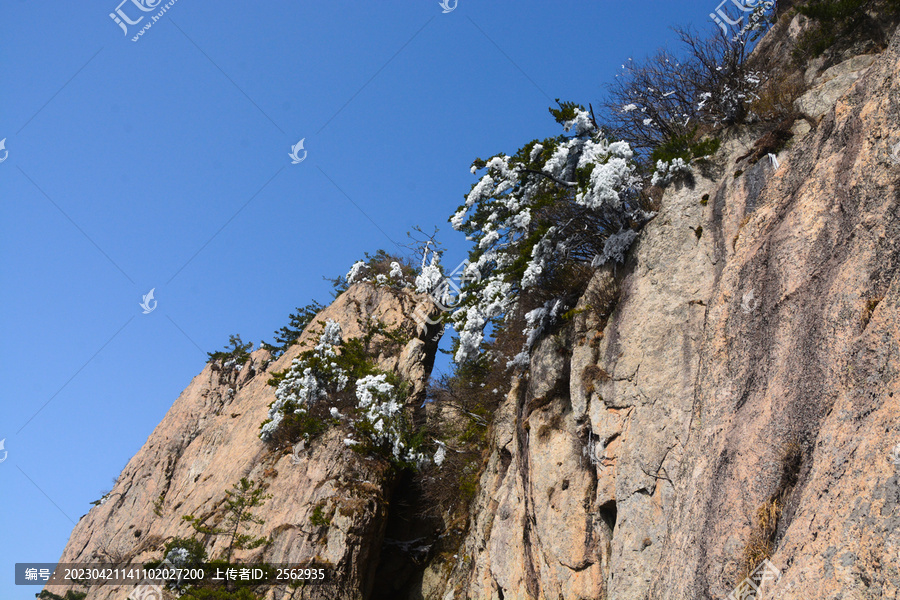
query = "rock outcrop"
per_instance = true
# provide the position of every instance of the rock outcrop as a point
(210, 439)
(740, 401)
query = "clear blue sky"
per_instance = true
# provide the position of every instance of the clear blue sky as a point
(164, 164)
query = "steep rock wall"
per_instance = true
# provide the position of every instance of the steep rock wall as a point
(209, 440)
(751, 364)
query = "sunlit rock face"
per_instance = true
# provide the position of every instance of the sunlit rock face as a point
(209, 439)
(750, 365)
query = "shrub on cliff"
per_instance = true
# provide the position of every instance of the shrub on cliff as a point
(288, 335)
(666, 103)
(312, 377)
(381, 268)
(542, 217)
(240, 502)
(839, 24)
(538, 219)
(464, 406)
(237, 354)
(337, 383)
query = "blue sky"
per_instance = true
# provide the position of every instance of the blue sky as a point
(163, 163)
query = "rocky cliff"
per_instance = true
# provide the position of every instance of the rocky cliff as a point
(741, 400)
(728, 395)
(210, 439)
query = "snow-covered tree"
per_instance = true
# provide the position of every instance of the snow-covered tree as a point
(571, 199)
(311, 377)
(380, 268)
(337, 383)
(380, 421)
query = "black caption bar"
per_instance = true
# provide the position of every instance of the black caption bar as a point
(94, 574)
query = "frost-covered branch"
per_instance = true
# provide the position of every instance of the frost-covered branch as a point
(532, 215)
(550, 177)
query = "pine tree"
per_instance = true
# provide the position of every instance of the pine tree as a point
(239, 504)
(288, 335)
(238, 352)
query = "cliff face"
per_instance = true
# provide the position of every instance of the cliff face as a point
(729, 394)
(209, 440)
(740, 401)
